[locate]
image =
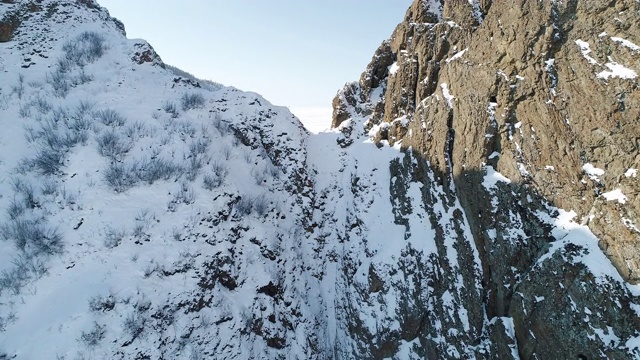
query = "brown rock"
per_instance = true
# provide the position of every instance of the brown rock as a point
(498, 77)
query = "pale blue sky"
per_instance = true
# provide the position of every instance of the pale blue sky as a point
(295, 53)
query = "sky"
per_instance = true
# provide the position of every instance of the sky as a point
(296, 53)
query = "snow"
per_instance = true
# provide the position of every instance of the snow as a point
(451, 24)
(503, 74)
(609, 337)
(617, 70)
(631, 172)
(434, 7)
(393, 68)
(626, 43)
(593, 172)
(550, 64)
(522, 168)
(447, 95)
(402, 120)
(629, 224)
(615, 195)
(158, 234)
(566, 231)
(457, 55)
(550, 168)
(492, 178)
(586, 50)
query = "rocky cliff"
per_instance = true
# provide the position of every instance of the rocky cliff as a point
(543, 94)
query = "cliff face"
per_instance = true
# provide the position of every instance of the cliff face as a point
(543, 94)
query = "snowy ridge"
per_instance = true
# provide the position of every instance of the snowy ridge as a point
(156, 198)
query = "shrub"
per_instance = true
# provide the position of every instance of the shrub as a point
(4, 101)
(220, 169)
(226, 152)
(59, 115)
(80, 125)
(111, 145)
(259, 176)
(248, 204)
(25, 111)
(34, 235)
(119, 178)
(260, 205)
(113, 237)
(186, 195)
(170, 108)
(85, 48)
(220, 172)
(82, 78)
(15, 209)
(42, 105)
(192, 101)
(220, 124)
(51, 138)
(137, 129)
(199, 147)
(48, 161)
(94, 336)
(49, 186)
(110, 117)
(211, 182)
(152, 170)
(59, 82)
(245, 205)
(186, 129)
(27, 191)
(15, 279)
(83, 109)
(65, 65)
(102, 303)
(134, 324)
(193, 167)
(19, 88)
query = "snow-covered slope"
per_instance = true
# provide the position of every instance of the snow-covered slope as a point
(146, 215)
(142, 213)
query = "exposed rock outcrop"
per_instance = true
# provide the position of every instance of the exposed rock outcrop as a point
(546, 94)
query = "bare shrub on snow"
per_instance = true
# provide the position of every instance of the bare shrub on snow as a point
(113, 237)
(93, 337)
(85, 48)
(33, 236)
(185, 195)
(191, 101)
(134, 324)
(170, 108)
(60, 82)
(119, 178)
(102, 303)
(259, 176)
(110, 117)
(112, 146)
(18, 89)
(152, 170)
